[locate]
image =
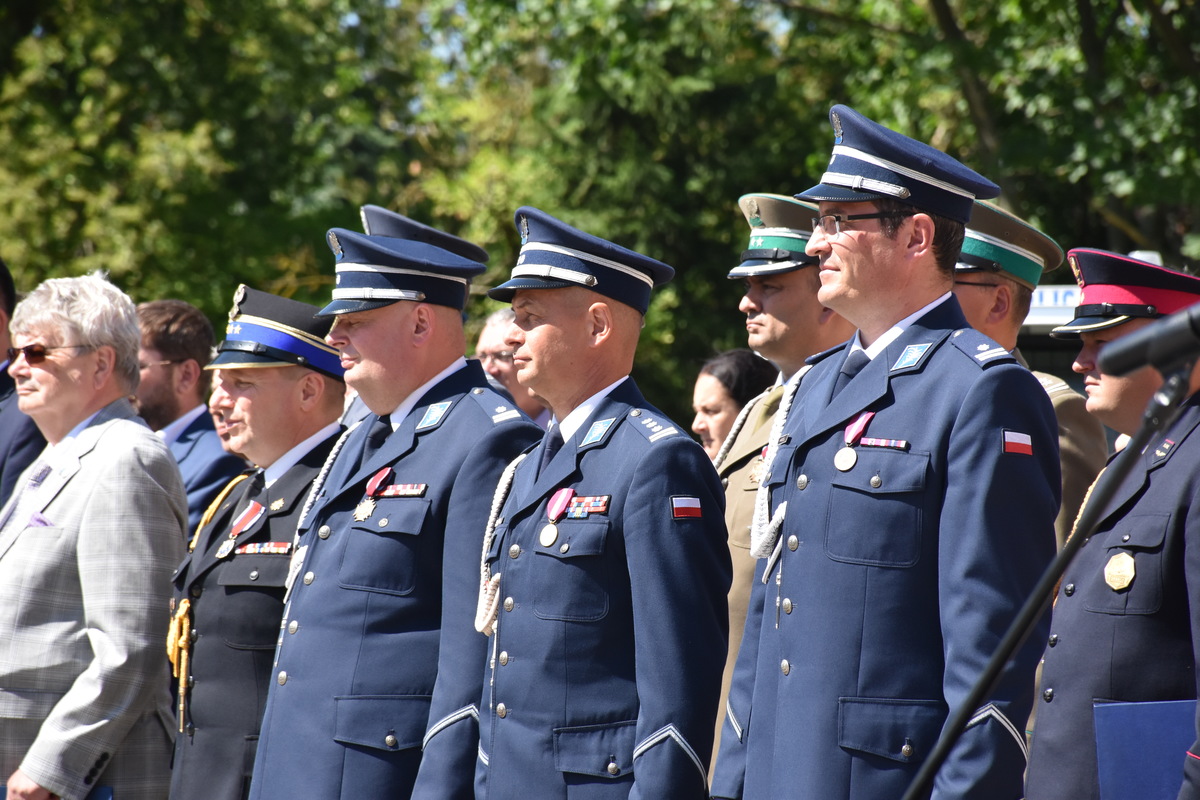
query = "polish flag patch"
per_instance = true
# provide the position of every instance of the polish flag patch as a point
(685, 507)
(1015, 442)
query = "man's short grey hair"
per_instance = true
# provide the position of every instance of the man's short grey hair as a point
(502, 316)
(85, 311)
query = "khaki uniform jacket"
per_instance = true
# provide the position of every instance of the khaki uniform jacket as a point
(740, 473)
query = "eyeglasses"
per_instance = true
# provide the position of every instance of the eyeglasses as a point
(823, 222)
(971, 283)
(499, 356)
(36, 353)
(163, 363)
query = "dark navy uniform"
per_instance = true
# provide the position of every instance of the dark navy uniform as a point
(900, 568)
(1125, 617)
(385, 588)
(610, 639)
(236, 603)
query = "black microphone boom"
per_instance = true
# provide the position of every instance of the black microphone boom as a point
(1164, 345)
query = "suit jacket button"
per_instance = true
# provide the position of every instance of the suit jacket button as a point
(802, 482)
(293, 626)
(282, 677)
(501, 710)
(787, 605)
(503, 658)
(785, 667)
(324, 531)
(514, 551)
(390, 740)
(509, 604)
(793, 542)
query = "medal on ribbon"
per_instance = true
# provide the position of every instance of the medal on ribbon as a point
(847, 457)
(244, 520)
(554, 509)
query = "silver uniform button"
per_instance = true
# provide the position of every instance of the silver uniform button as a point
(477, 390)
(787, 605)
(508, 604)
(293, 626)
(793, 542)
(282, 677)
(908, 750)
(501, 710)
(637, 412)
(566, 546)
(324, 531)
(514, 551)
(383, 522)
(613, 769)
(802, 482)
(785, 667)
(876, 481)
(308, 576)
(253, 574)
(503, 657)
(390, 740)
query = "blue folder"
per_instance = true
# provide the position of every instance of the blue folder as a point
(1140, 748)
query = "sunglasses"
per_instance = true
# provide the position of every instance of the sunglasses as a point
(36, 353)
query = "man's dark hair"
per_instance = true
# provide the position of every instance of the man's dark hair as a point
(948, 234)
(8, 290)
(178, 331)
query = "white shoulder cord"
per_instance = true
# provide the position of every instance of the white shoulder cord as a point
(738, 424)
(319, 483)
(489, 585)
(764, 531)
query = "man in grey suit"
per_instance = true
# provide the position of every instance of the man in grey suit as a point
(88, 542)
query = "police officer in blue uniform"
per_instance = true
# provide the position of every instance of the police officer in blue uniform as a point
(378, 670)
(912, 499)
(1126, 613)
(278, 390)
(605, 565)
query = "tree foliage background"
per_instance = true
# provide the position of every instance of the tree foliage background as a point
(187, 146)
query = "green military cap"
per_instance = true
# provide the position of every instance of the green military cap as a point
(999, 242)
(780, 228)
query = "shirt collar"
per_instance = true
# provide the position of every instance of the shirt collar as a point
(171, 433)
(893, 333)
(574, 421)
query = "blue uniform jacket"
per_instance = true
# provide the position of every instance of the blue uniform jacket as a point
(898, 576)
(204, 466)
(606, 663)
(236, 604)
(20, 440)
(384, 605)
(1129, 644)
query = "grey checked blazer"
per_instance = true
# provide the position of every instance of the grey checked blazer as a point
(85, 569)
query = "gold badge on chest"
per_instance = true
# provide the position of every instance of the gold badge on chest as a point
(1119, 572)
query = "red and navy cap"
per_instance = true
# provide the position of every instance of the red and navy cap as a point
(871, 161)
(1115, 289)
(376, 271)
(379, 221)
(556, 256)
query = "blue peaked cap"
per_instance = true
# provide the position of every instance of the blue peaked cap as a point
(871, 162)
(378, 221)
(556, 256)
(376, 271)
(266, 330)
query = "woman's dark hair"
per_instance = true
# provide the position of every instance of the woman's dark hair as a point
(742, 372)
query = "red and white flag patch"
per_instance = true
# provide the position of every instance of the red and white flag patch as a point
(685, 507)
(1015, 442)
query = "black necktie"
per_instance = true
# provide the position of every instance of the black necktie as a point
(853, 365)
(552, 442)
(381, 428)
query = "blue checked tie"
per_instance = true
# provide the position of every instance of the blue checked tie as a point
(381, 428)
(552, 442)
(854, 364)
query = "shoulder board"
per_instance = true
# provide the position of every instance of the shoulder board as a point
(495, 406)
(983, 351)
(1053, 384)
(813, 359)
(652, 425)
